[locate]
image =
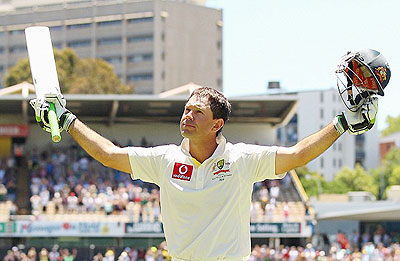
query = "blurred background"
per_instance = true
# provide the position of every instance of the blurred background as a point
(126, 68)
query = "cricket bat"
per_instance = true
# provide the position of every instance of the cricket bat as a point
(44, 72)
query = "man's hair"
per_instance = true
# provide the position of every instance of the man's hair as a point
(220, 106)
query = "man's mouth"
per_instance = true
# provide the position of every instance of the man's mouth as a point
(187, 125)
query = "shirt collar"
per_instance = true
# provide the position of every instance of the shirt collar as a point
(221, 141)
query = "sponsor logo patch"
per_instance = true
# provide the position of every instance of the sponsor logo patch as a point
(182, 171)
(220, 164)
(221, 170)
(381, 73)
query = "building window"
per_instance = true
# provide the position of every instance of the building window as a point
(334, 163)
(113, 59)
(321, 97)
(79, 26)
(219, 63)
(1, 50)
(79, 3)
(140, 77)
(79, 43)
(321, 113)
(57, 45)
(56, 28)
(1, 68)
(109, 23)
(340, 163)
(219, 82)
(219, 45)
(340, 146)
(140, 38)
(140, 20)
(17, 32)
(17, 49)
(140, 57)
(322, 163)
(109, 41)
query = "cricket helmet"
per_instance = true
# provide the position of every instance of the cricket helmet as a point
(361, 74)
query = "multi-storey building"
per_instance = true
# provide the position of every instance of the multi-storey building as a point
(156, 45)
(315, 110)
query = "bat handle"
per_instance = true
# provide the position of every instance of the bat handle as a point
(55, 131)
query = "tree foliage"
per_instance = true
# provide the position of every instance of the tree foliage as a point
(312, 182)
(388, 172)
(353, 180)
(89, 76)
(393, 125)
(18, 73)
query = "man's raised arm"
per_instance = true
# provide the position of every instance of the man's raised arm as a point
(100, 148)
(288, 158)
(93, 143)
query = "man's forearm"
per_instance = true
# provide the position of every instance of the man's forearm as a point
(288, 158)
(314, 145)
(93, 143)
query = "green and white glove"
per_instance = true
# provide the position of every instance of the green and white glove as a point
(41, 107)
(359, 121)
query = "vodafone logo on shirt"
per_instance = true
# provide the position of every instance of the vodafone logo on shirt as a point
(182, 171)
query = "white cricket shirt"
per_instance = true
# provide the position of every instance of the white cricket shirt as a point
(205, 209)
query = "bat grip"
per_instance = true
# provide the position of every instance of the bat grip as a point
(53, 122)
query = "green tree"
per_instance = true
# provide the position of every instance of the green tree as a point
(96, 76)
(75, 75)
(312, 182)
(394, 179)
(388, 171)
(393, 125)
(353, 180)
(18, 73)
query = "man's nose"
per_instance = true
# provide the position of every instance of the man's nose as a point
(189, 115)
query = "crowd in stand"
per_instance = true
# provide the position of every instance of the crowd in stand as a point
(72, 182)
(367, 252)
(69, 181)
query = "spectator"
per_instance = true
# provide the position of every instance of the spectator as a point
(355, 239)
(109, 255)
(274, 193)
(43, 254)
(286, 211)
(342, 240)
(54, 255)
(98, 257)
(32, 254)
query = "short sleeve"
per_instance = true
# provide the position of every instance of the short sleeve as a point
(266, 164)
(146, 163)
(260, 160)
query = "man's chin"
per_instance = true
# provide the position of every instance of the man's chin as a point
(186, 134)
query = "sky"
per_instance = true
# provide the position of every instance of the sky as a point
(300, 42)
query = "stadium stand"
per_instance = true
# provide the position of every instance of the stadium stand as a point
(70, 185)
(368, 251)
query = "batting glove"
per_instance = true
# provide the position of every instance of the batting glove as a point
(41, 107)
(359, 121)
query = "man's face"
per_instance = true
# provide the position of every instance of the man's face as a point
(197, 119)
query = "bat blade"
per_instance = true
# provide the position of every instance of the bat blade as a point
(43, 69)
(41, 59)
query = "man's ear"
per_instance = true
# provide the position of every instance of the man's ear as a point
(218, 124)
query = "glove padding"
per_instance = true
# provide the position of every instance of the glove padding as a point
(42, 106)
(361, 120)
